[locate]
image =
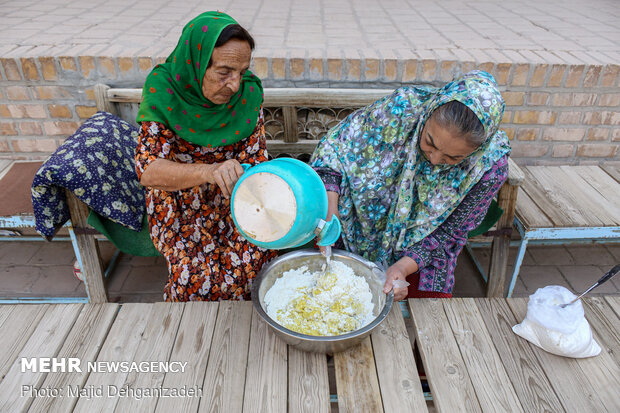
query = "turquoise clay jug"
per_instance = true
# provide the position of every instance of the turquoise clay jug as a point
(282, 204)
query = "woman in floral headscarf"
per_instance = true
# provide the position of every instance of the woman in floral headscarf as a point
(410, 175)
(201, 117)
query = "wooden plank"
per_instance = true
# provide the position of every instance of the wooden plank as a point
(5, 312)
(156, 345)
(356, 380)
(308, 384)
(192, 346)
(120, 345)
(507, 200)
(92, 267)
(401, 390)
(573, 389)
(488, 376)
(290, 124)
(515, 174)
(5, 165)
(323, 97)
(607, 186)
(614, 303)
(525, 372)
(554, 210)
(445, 369)
(606, 323)
(591, 199)
(225, 376)
(45, 341)
(277, 146)
(530, 215)
(309, 97)
(603, 371)
(102, 101)
(16, 330)
(266, 374)
(559, 191)
(612, 171)
(83, 342)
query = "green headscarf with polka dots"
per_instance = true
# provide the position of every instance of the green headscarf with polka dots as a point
(172, 93)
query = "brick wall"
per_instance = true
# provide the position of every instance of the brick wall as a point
(556, 112)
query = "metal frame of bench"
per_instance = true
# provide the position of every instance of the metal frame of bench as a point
(553, 232)
(289, 99)
(26, 220)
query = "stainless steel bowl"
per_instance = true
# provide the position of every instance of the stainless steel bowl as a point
(314, 260)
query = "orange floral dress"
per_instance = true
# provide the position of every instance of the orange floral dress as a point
(193, 228)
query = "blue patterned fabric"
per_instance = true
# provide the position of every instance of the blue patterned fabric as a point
(97, 164)
(391, 196)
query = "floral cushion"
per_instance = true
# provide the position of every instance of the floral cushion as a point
(97, 164)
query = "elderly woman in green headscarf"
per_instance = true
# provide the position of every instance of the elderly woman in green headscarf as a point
(410, 175)
(201, 117)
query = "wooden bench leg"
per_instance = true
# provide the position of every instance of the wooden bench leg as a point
(92, 266)
(507, 200)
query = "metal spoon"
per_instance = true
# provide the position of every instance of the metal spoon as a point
(328, 258)
(603, 279)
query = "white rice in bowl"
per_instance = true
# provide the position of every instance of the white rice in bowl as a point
(327, 303)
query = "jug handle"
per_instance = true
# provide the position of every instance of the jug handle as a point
(330, 232)
(246, 166)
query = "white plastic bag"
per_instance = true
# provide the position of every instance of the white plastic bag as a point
(562, 331)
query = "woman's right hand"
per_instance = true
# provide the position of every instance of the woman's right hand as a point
(225, 175)
(332, 209)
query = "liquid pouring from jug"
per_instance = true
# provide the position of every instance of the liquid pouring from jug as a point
(282, 204)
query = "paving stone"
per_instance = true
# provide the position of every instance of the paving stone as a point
(544, 255)
(581, 277)
(468, 281)
(520, 290)
(60, 252)
(118, 276)
(535, 277)
(18, 279)
(591, 255)
(136, 261)
(56, 280)
(146, 279)
(18, 252)
(614, 249)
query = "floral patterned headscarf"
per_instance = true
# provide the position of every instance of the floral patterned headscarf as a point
(391, 195)
(172, 93)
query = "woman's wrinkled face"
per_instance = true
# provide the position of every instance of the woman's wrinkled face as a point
(441, 145)
(228, 64)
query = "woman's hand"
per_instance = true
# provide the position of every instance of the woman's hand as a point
(225, 175)
(395, 273)
(399, 271)
(332, 209)
(174, 176)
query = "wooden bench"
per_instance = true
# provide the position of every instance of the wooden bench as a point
(564, 204)
(295, 120)
(17, 223)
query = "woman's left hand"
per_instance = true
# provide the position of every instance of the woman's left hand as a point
(399, 271)
(395, 272)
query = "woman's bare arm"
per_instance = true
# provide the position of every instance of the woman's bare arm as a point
(174, 176)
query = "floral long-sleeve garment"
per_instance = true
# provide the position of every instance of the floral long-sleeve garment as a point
(207, 257)
(392, 200)
(436, 254)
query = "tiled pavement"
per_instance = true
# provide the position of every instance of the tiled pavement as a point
(38, 269)
(551, 31)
